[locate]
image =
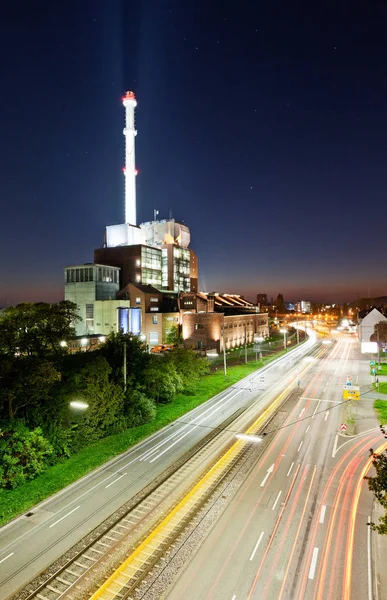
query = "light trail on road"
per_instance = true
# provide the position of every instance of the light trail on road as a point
(306, 552)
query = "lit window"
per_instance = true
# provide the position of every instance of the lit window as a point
(154, 299)
(155, 319)
(138, 300)
(154, 308)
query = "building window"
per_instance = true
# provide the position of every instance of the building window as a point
(199, 326)
(153, 337)
(154, 308)
(154, 299)
(155, 319)
(90, 273)
(77, 275)
(138, 300)
(89, 311)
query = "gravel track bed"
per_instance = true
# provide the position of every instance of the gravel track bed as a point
(156, 585)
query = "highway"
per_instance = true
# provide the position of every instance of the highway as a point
(297, 528)
(30, 543)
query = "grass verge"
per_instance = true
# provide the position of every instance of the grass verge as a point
(380, 407)
(382, 387)
(381, 371)
(17, 501)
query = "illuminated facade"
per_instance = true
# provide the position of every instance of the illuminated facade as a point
(93, 288)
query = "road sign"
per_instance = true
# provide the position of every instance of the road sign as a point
(343, 427)
(351, 392)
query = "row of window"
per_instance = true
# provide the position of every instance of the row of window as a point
(86, 274)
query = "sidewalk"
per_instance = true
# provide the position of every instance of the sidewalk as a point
(365, 418)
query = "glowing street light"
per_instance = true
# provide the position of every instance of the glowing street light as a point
(249, 437)
(79, 405)
(63, 344)
(258, 339)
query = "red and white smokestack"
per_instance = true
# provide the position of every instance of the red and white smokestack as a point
(130, 172)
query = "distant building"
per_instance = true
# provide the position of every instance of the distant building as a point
(303, 306)
(205, 331)
(206, 317)
(366, 326)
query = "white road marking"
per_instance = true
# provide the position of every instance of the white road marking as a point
(291, 467)
(322, 514)
(326, 415)
(190, 427)
(118, 478)
(370, 595)
(354, 437)
(278, 497)
(307, 429)
(321, 400)
(256, 546)
(302, 412)
(335, 446)
(313, 564)
(64, 516)
(315, 410)
(5, 558)
(270, 470)
(299, 447)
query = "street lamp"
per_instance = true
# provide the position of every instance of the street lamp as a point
(79, 405)
(284, 331)
(258, 340)
(63, 344)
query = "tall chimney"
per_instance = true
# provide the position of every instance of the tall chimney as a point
(129, 102)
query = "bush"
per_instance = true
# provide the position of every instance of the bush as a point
(139, 409)
(23, 454)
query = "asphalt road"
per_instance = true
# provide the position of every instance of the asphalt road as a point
(297, 528)
(30, 544)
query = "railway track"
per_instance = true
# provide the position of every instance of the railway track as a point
(128, 532)
(129, 528)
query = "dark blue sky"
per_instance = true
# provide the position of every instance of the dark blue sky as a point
(261, 125)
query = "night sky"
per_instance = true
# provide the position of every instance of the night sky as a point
(261, 125)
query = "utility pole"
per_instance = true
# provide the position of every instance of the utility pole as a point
(298, 333)
(377, 338)
(224, 353)
(125, 365)
(245, 344)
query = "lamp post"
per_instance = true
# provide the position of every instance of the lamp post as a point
(258, 340)
(284, 331)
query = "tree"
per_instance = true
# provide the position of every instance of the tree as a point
(137, 357)
(378, 486)
(280, 304)
(380, 332)
(37, 329)
(189, 366)
(23, 454)
(138, 408)
(105, 400)
(173, 336)
(161, 380)
(25, 382)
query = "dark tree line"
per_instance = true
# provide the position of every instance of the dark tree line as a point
(39, 379)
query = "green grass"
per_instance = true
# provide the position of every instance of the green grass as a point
(18, 501)
(383, 370)
(380, 407)
(382, 387)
